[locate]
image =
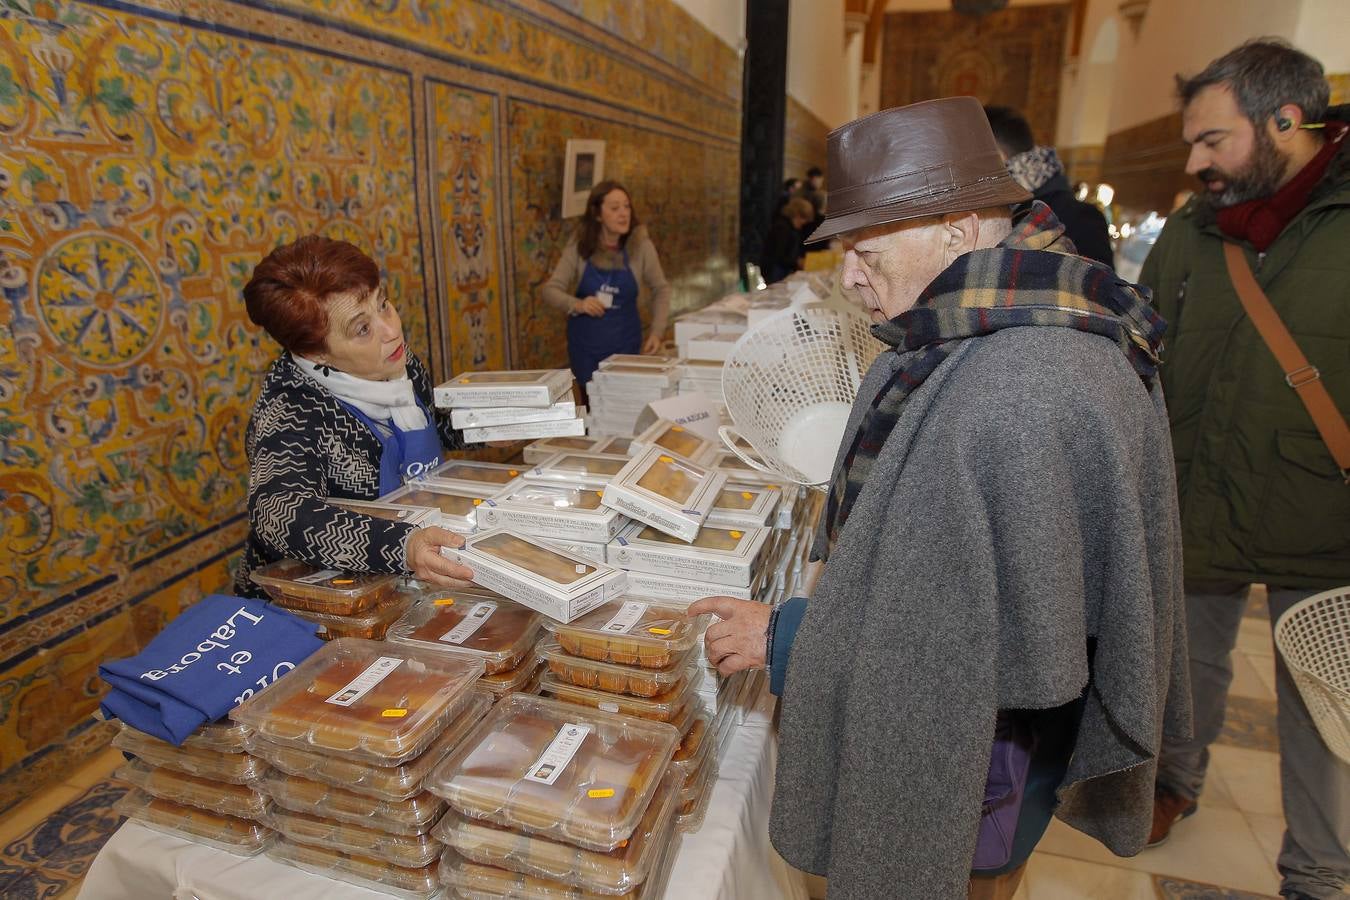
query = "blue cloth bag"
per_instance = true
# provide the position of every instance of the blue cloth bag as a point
(204, 663)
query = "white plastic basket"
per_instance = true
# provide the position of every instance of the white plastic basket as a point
(788, 385)
(1313, 635)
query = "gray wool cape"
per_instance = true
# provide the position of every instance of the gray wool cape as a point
(1025, 502)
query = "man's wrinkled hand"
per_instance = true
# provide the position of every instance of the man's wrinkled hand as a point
(736, 642)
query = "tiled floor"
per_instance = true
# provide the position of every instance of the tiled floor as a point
(1226, 851)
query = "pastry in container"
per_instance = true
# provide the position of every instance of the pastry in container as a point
(414, 815)
(231, 768)
(522, 679)
(295, 585)
(695, 799)
(667, 707)
(559, 771)
(501, 631)
(631, 632)
(592, 470)
(242, 837)
(191, 790)
(410, 851)
(696, 740)
(665, 491)
(223, 736)
(371, 625)
(456, 508)
(617, 872)
(471, 473)
(615, 678)
(364, 700)
(361, 870)
(383, 782)
(675, 438)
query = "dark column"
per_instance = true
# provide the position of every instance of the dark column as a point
(763, 112)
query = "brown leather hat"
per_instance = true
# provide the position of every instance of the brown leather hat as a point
(925, 159)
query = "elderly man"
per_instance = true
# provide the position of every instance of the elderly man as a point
(998, 620)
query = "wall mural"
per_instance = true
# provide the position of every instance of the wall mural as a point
(152, 154)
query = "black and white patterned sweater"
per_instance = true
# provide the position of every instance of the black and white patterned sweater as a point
(304, 446)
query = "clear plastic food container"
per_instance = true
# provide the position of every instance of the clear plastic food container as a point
(191, 790)
(631, 632)
(593, 470)
(470, 472)
(469, 880)
(558, 771)
(371, 625)
(696, 741)
(615, 678)
(296, 585)
(231, 768)
(364, 700)
(415, 815)
(517, 680)
(406, 850)
(618, 872)
(499, 630)
(223, 736)
(361, 870)
(384, 782)
(456, 508)
(667, 707)
(242, 837)
(694, 805)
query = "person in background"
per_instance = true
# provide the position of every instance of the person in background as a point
(345, 411)
(1038, 169)
(599, 278)
(1262, 497)
(1001, 541)
(790, 188)
(813, 192)
(782, 253)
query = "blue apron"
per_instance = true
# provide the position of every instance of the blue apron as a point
(403, 454)
(619, 330)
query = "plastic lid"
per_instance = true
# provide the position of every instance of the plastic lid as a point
(677, 439)
(631, 631)
(229, 833)
(512, 680)
(738, 497)
(617, 872)
(411, 884)
(672, 478)
(385, 782)
(694, 807)
(614, 678)
(459, 505)
(232, 768)
(472, 470)
(499, 630)
(296, 585)
(554, 497)
(223, 736)
(696, 740)
(557, 770)
(709, 538)
(618, 445)
(406, 850)
(415, 815)
(667, 707)
(571, 466)
(540, 561)
(191, 790)
(372, 624)
(364, 700)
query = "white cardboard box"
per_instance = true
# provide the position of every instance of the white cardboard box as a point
(667, 492)
(743, 505)
(524, 431)
(555, 512)
(592, 470)
(727, 556)
(584, 549)
(512, 415)
(655, 360)
(455, 508)
(536, 388)
(547, 448)
(675, 438)
(711, 345)
(560, 585)
(474, 475)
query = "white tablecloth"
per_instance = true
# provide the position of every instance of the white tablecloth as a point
(728, 858)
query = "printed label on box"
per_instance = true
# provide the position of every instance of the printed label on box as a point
(317, 577)
(628, 615)
(359, 686)
(473, 620)
(559, 753)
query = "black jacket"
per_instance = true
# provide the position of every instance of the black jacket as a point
(782, 249)
(1083, 223)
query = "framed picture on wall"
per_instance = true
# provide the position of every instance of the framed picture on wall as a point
(585, 168)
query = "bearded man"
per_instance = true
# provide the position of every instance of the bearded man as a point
(1262, 498)
(997, 632)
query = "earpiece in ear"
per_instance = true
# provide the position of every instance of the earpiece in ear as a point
(1284, 124)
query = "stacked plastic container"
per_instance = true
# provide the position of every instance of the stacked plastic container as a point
(341, 604)
(549, 800)
(207, 791)
(637, 658)
(352, 735)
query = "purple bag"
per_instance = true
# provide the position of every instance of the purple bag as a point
(1004, 790)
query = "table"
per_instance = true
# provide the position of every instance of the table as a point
(728, 858)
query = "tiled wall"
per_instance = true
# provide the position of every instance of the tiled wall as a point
(803, 141)
(153, 151)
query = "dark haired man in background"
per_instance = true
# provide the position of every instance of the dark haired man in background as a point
(1262, 498)
(1038, 169)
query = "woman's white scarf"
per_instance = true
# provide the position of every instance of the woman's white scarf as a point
(393, 401)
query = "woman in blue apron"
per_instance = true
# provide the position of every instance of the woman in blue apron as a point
(344, 412)
(598, 279)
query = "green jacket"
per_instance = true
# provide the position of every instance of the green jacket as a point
(1261, 497)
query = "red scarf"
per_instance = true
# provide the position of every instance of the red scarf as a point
(1260, 221)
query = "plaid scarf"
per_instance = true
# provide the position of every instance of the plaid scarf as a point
(1027, 280)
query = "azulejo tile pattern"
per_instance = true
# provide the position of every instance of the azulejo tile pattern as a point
(803, 141)
(153, 151)
(58, 851)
